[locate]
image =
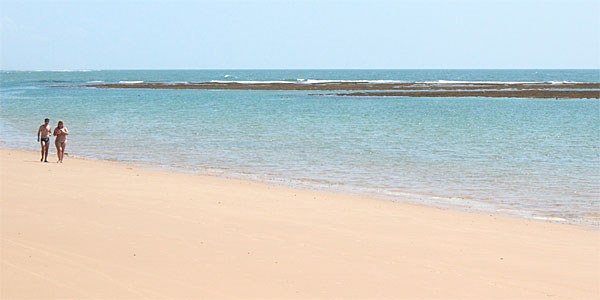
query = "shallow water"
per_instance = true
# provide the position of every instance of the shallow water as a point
(535, 158)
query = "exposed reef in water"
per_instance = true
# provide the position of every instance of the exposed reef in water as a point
(575, 90)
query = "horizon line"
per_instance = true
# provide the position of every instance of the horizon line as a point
(276, 69)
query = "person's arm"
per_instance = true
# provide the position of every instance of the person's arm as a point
(39, 131)
(56, 131)
(65, 131)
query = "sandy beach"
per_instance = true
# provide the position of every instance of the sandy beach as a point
(90, 229)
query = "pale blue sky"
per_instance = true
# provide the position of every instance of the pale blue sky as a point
(39, 35)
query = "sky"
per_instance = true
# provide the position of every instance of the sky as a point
(91, 35)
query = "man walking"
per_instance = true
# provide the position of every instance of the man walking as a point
(45, 132)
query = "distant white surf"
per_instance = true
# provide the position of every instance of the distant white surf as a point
(307, 81)
(251, 81)
(65, 70)
(382, 81)
(131, 81)
(494, 82)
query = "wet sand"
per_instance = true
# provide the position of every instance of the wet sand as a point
(96, 229)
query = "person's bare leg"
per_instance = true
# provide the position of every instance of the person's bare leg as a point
(60, 156)
(46, 152)
(43, 144)
(57, 151)
(62, 153)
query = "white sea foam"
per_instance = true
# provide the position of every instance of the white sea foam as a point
(371, 81)
(307, 81)
(384, 81)
(65, 70)
(550, 219)
(494, 82)
(379, 81)
(96, 81)
(131, 81)
(561, 82)
(251, 81)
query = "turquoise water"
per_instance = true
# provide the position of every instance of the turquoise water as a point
(536, 158)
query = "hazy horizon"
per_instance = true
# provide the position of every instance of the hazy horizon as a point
(267, 69)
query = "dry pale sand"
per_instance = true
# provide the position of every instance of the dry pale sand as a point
(94, 229)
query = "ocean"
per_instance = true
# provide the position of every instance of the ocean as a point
(532, 158)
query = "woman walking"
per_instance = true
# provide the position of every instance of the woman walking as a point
(60, 132)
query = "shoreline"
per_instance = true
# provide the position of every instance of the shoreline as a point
(295, 185)
(110, 230)
(511, 90)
